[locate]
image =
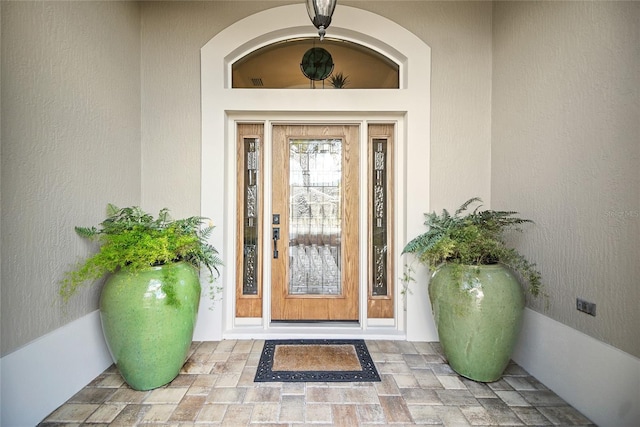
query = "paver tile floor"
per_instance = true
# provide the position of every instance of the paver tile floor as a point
(215, 387)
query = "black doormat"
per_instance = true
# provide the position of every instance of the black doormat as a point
(316, 361)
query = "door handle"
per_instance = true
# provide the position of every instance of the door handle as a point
(276, 237)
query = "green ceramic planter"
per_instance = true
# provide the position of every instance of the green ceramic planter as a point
(148, 320)
(478, 316)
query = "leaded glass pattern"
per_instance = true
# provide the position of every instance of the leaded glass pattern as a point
(251, 212)
(315, 216)
(379, 220)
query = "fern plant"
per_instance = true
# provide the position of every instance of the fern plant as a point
(472, 238)
(131, 239)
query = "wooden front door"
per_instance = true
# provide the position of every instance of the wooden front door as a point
(315, 223)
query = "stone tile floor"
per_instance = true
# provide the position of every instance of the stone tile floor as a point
(215, 387)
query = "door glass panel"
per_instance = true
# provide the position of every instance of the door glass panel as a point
(315, 216)
(379, 231)
(250, 255)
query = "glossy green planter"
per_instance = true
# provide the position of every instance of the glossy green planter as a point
(148, 320)
(478, 316)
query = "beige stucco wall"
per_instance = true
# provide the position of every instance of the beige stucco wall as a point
(172, 35)
(459, 34)
(1, 353)
(566, 153)
(70, 143)
(101, 102)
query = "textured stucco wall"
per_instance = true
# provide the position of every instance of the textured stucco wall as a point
(70, 144)
(172, 35)
(459, 34)
(1, 353)
(566, 150)
(76, 75)
(75, 78)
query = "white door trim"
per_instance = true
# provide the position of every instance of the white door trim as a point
(221, 105)
(251, 327)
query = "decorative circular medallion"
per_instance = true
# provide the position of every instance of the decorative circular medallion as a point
(317, 64)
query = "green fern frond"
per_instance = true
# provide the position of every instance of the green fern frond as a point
(132, 240)
(112, 210)
(87, 232)
(473, 238)
(466, 204)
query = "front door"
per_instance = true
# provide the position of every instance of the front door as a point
(315, 222)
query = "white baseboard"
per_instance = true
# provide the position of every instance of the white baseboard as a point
(597, 379)
(209, 323)
(44, 374)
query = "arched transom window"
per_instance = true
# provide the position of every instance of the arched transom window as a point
(309, 63)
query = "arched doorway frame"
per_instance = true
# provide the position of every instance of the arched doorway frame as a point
(408, 106)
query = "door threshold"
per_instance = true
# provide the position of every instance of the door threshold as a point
(274, 329)
(319, 330)
(315, 323)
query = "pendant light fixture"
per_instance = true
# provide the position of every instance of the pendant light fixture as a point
(320, 12)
